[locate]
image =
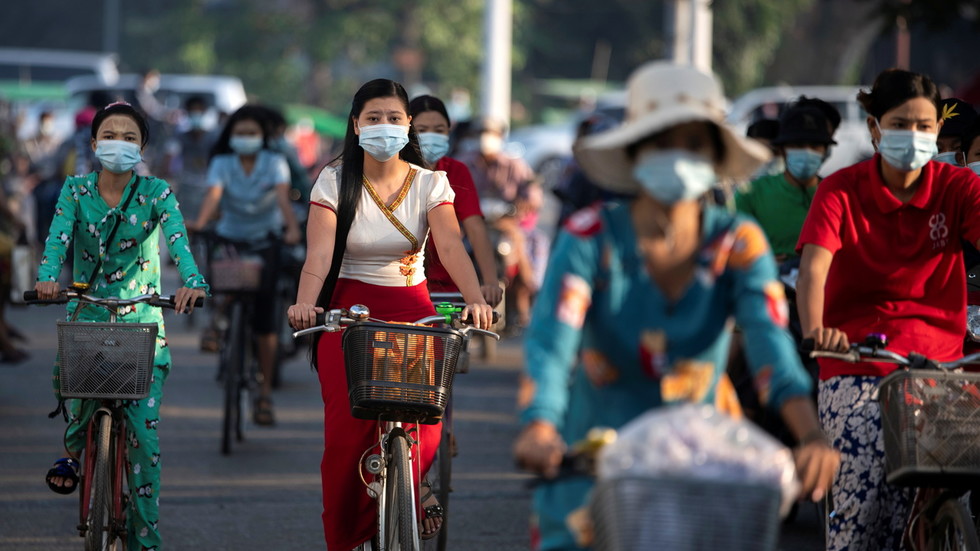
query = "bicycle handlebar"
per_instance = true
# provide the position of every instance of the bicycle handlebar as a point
(875, 351)
(336, 319)
(68, 295)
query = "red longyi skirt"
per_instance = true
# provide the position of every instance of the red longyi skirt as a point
(349, 514)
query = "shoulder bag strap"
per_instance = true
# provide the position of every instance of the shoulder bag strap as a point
(112, 233)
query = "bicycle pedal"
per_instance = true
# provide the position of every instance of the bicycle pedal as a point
(374, 489)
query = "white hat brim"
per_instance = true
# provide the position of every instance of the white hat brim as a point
(604, 159)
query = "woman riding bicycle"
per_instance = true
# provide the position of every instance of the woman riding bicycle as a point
(371, 212)
(882, 253)
(431, 120)
(249, 185)
(89, 207)
(640, 294)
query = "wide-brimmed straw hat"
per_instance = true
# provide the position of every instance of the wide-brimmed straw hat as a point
(661, 95)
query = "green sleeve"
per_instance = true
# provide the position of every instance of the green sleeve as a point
(172, 223)
(61, 233)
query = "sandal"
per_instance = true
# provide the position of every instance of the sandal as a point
(262, 414)
(67, 469)
(431, 512)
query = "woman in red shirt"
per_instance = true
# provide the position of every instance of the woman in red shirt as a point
(431, 121)
(881, 253)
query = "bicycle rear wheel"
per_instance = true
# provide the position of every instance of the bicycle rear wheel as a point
(953, 529)
(233, 360)
(400, 531)
(98, 525)
(442, 485)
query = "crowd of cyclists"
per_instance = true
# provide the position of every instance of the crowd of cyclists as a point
(684, 228)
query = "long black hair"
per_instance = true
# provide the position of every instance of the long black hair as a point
(255, 113)
(351, 162)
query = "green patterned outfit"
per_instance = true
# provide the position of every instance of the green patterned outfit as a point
(131, 267)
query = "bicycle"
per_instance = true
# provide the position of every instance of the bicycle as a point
(108, 362)
(396, 374)
(928, 417)
(237, 279)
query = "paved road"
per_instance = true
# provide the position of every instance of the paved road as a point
(266, 495)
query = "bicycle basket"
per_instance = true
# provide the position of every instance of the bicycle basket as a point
(400, 372)
(931, 425)
(234, 272)
(106, 360)
(684, 514)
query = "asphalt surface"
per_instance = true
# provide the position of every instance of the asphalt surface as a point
(266, 495)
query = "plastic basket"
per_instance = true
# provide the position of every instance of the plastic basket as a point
(400, 372)
(684, 514)
(106, 360)
(931, 425)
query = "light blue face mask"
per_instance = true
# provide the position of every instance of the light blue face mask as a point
(118, 156)
(975, 167)
(434, 146)
(907, 150)
(674, 175)
(245, 145)
(383, 141)
(947, 157)
(803, 163)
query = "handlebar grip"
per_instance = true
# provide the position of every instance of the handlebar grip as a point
(30, 297)
(169, 302)
(496, 317)
(808, 345)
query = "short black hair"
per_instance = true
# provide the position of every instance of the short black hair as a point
(423, 104)
(195, 101)
(125, 109)
(968, 136)
(893, 87)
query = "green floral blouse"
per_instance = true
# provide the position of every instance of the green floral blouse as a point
(131, 263)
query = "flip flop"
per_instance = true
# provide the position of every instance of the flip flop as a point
(67, 469)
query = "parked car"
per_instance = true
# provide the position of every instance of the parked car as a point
(853, 139)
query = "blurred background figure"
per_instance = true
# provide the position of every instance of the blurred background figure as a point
(765, 131)
(11, 231)
(187, 159)
(957, 116)
(496, 175)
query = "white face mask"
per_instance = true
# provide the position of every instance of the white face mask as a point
(674, 175)
(491, 144)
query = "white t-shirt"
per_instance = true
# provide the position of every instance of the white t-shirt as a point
(386, 247)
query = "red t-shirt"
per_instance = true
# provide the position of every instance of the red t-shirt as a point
(897, 268)
(466, 204)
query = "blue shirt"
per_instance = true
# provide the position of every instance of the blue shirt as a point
(249, 208)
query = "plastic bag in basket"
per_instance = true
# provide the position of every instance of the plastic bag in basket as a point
(404, 358)
(697, 441)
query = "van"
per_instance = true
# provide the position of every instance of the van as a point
(223, 94)
(33, 65)
(853, 138)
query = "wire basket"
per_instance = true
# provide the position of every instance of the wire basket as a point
(931, 425)
(231, 271)
(400, 372)
(106, 360)
(684, 514)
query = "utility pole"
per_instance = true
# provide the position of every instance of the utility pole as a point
(497, 31)
(688, 32)
(110, 27)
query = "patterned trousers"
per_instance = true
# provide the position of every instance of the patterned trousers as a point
(867, 513)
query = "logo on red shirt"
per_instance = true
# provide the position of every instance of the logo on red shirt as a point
(938, 231)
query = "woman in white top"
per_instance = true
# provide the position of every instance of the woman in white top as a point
(389, 203)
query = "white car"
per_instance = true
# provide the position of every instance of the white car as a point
(853, 138)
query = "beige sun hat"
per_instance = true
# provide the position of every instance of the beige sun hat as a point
(660, 95)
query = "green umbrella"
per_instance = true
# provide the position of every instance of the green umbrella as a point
(323, 121)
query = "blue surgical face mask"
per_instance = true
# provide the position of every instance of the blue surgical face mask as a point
(118, 156)
(195, 120)
(383, 141)
(907, 150)
(434, 146)
(674, 175)
(975, 167)
(947, 157)
(245, 145)
(803, 163)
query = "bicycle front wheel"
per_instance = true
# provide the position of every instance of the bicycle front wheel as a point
(233, 360)
(98, 529)
(399, 522)
(953, 529)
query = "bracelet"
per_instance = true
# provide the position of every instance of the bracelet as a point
(813, 436)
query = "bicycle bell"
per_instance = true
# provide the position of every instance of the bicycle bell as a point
(359, 312)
